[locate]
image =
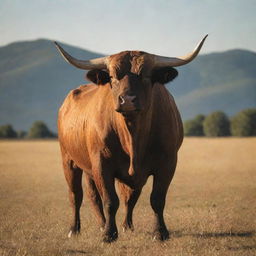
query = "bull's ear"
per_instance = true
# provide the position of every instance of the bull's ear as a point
(163, 75)
(98, 76)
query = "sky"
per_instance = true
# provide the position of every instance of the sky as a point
(164, 27)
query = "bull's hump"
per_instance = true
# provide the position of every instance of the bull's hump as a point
(82, 92)
(84, 89)
(76, 97)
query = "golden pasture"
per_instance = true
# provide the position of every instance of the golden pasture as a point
(210, 208)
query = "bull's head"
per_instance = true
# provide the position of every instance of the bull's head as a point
(131, 74)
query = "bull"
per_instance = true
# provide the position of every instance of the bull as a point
(123, 127)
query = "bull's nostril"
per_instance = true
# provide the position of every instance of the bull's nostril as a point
(133, 99)
(127, 99)
(122, 101)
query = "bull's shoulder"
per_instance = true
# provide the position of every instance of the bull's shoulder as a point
(166, 116)
(165, 107)
(87, 105)
(163, 100)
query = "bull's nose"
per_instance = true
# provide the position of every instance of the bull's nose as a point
(127, 99)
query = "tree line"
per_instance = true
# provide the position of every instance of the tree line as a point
(38, 130)
(218, 124)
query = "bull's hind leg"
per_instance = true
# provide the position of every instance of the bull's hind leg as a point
(95, 199)
(130, 198)
(73, 175)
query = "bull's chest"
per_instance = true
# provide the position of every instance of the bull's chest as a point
(132, 171)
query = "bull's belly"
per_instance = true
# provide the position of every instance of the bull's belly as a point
(119, 169)
(137, 179)
(117, 162)
(79, 155)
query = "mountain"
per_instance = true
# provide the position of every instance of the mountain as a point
(219, 81)
(34, 80)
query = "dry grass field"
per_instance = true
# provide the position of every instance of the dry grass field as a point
(210, 209)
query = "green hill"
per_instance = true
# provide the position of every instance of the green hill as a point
(34, 80)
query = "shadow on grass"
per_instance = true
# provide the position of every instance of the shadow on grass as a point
(243, 247)
(225, 234)
(7, 246)
(70, 251)
(214, 234)
(205, 235)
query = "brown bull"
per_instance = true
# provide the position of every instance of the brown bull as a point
(124, 127)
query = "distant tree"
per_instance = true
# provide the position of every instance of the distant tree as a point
(194, 127)
(216, 124)
(39, 130)
(6, 131)
(244, 123)
(21, 134)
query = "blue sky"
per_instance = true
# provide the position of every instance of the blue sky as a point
(167, 27)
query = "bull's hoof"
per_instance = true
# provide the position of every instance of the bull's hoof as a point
(73, 233)
(109, 238)
(161, 235)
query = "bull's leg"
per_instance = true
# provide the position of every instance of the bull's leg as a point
(106, 185)
(161, 184)
(73, 175)
(130, 198)
(157, 200)
(95, 199)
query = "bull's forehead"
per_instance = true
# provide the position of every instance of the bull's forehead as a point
(136, 62)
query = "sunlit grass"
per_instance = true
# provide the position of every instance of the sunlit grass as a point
(210, 207)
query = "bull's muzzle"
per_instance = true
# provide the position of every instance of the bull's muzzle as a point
(127, 103)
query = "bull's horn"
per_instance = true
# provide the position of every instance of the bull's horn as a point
(161, 61)
(99, 63)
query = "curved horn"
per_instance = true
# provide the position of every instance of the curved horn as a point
(161, 61)
(99, 63)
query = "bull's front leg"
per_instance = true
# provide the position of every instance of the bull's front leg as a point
(157, 200)
(130, 198)
(105, 182)
(161, 181)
